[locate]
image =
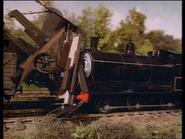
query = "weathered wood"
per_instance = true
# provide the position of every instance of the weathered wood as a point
(28, 65)
(75, 61)
(10, 66)
(31, 29)
(31, 49)
(8, 55)
(11, 62)
(74, 75)
(66, 74)
(8, 70)
(6, 78)
(8, 85)
(63, 54)
(82, 80)
(8, 74)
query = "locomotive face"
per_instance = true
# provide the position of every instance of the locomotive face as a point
(87, 64)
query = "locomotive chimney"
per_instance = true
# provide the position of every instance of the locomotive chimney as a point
(130, 48)
(94, 42)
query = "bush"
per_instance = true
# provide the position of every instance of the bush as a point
(167, 131)
(48, 128)
(106, 128)
(86, 132)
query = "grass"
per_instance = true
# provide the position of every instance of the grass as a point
(30, 87)
(112, 128)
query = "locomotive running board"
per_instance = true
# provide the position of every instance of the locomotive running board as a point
(67, 111)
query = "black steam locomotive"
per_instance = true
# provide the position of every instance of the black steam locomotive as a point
(142, 79)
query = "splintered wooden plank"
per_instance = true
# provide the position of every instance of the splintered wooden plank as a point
(73, 81)
(75, 59)
(66, 74)
(82, 80)
(75, 46)
(63, 54)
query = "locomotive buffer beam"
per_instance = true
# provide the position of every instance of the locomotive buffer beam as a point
(137, 106)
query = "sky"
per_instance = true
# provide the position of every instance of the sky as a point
(162, 15)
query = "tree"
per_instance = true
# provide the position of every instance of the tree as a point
(102, 27)
(179, 46)
(72, 17)
(9, 23)
(145, 48)
(85, 22)
(131, 30)
(101, 17)
(162, 41)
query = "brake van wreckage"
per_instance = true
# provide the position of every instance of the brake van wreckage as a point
(61, 63)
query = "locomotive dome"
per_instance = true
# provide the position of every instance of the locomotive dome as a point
(130, 48)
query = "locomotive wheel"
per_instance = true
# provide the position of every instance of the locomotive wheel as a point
(134, 101)
(45, 63)
(102, 104)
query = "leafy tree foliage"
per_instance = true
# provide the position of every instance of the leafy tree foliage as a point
(179, 46)
(162, 41)
(131, 30)
(102, 29)
(9, 23)
(146, 47)
(85, 22)
(96, 22)
(19, 33)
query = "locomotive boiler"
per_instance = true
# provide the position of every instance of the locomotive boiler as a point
(106, 71)
(109, 80)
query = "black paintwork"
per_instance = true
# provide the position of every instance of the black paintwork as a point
(129, 72)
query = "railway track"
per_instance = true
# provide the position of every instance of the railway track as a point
(30, 120)
(172, 111)
(30, 103)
